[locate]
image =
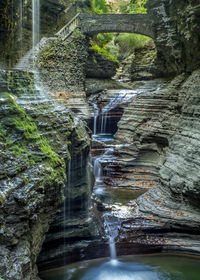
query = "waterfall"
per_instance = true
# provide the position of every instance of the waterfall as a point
(21, 27)
(68, 210)
(112, 225)
(104, 118)
(35, 22)
(112, 246)
(97, 169)
(96, 114)
(118, 97)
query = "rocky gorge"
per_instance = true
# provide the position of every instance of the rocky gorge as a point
(62, 191)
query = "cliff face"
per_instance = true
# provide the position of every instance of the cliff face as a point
(16, 24)
(161, 152)
(177, 25)
(36, 136)
(99, 67)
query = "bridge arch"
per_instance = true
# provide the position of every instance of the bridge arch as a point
(120, 23)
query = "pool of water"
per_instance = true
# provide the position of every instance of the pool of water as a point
(104, 137)
(148, 267)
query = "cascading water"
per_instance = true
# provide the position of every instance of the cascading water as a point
(117, 97)
(96, 114)
(27, 61)
(35, 22)
(112, 225)
(98, 170)
(21, 27)
(67, 209)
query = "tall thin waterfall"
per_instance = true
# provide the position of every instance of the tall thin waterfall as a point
(35, 22)
(96, 114)
(112, 225)
(21, 26)
(68, 210)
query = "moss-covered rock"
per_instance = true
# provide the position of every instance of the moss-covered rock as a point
(36, 138)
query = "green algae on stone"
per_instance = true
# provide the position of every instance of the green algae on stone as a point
(28, 141)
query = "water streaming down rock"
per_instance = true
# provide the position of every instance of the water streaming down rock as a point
(116, 98)
(35, 22)
(107, 156)
(96, 114)
(112, 226)
(68, 208)
(21, 27)
(27, 61)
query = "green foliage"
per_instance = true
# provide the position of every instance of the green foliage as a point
(137, 6)
(113, 46)
(129, 42)
(134, 6)
(77, 33)
(99, 6)
(104, 38)
(105, 53)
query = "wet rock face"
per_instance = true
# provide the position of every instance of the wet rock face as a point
(62, 64)
(16, 24)
(35, 139)
(177, 40)
(180, 171)
(62, 71)
(161, 143)
(74, 232)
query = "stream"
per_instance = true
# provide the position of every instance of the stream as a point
(147, 267)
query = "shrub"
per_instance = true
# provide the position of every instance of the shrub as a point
(99, 6)
(129, 42)
(104, 52)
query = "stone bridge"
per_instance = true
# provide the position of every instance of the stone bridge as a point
(91, 24)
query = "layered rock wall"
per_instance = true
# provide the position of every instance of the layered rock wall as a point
(62, 71)
(177, 27)
(97, 66)
(162, 152)
(36, 136)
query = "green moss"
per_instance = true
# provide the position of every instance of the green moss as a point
(103, 51)
(45, 148)
(27, 140)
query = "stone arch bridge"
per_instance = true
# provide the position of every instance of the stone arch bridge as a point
(91, 24)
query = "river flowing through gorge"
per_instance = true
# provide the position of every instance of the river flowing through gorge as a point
(113, 203)
(99, 143)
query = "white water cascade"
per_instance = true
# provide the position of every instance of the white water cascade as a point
(96, 114)
(35, 22)
(27, 61)
(21, 26)
(116, 98)
(112, 225)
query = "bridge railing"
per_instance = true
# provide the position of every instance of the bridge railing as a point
(67, 30)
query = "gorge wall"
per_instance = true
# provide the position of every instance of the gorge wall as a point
(36, 138)
(177, 26)
(45, 147)
(161, 153)
(16, 24)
